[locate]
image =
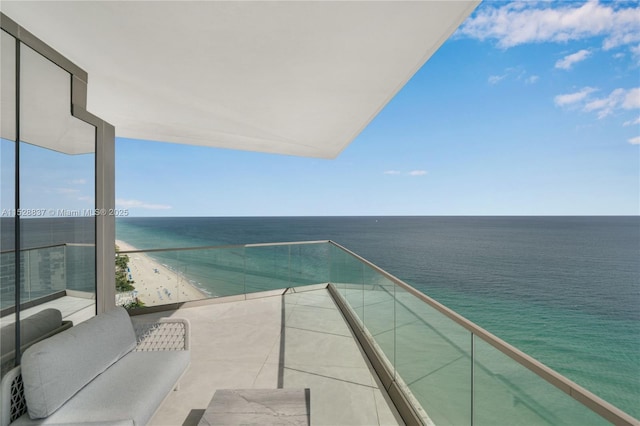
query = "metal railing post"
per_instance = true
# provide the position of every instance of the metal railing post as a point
(473, 393)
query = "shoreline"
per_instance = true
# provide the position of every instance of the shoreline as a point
(157, 284)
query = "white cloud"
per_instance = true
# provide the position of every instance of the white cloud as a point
(606, 106)
(131, 204)
(631, 122)
(532, 79)
(518, 23)
(632, 99)
(411, 173)
(495, 79)
(567, 62)
(78, 181)
(513, 73)
(618, 98)
(635, 141)
(572, 98)
(67, 191)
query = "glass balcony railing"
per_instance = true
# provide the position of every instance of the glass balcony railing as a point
(447, 369)
(166, 276)
(45, 271)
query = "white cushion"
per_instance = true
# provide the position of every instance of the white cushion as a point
(56, 368)
(31, 328)
(133, 388)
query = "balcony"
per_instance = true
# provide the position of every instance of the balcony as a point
(371, 349)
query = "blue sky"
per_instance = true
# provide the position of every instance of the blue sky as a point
(531, 108)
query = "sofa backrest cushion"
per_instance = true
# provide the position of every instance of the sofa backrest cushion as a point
(56, 368)
(31, 328)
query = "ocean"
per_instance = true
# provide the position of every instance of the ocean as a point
(565, 290)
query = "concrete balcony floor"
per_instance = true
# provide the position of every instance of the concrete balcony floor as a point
(296, 340)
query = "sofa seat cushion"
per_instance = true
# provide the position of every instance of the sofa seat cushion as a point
(133, 388)
(54, 369)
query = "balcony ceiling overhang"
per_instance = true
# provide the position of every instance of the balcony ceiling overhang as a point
(288, 77)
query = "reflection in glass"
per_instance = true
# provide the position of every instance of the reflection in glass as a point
(45, 105)
(8, 87)
(56, 191)
(7, 223)
(433, 358)
(57, 183)
(501, 385)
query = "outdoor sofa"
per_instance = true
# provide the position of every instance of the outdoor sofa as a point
(100, 372)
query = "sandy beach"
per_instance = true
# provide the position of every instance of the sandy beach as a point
(156, 284)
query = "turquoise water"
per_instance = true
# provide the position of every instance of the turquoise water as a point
(566, 290)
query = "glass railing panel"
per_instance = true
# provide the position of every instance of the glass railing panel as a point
(174, 276)
(7, 277)
(433, 360)
(48, 270)
(309, 263)
(80, 267)
(336, 259)
(43, 272)
(506, 390)
(347, 275)
(213, 272)
(149, 280)
(266, 268)
(159, 277)
(25, 278)
(379, 312)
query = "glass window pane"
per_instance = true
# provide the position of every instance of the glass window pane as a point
(8, 86)
(7, 200)
(57, 183)
(57, 199)
(7, 223)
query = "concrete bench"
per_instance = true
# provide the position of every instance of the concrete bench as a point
(102, 371)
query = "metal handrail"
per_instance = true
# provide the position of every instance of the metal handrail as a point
(35, 248)
(227, 246)
(577, 392)
(50, 246)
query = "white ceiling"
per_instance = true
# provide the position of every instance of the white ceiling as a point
(291, 77)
